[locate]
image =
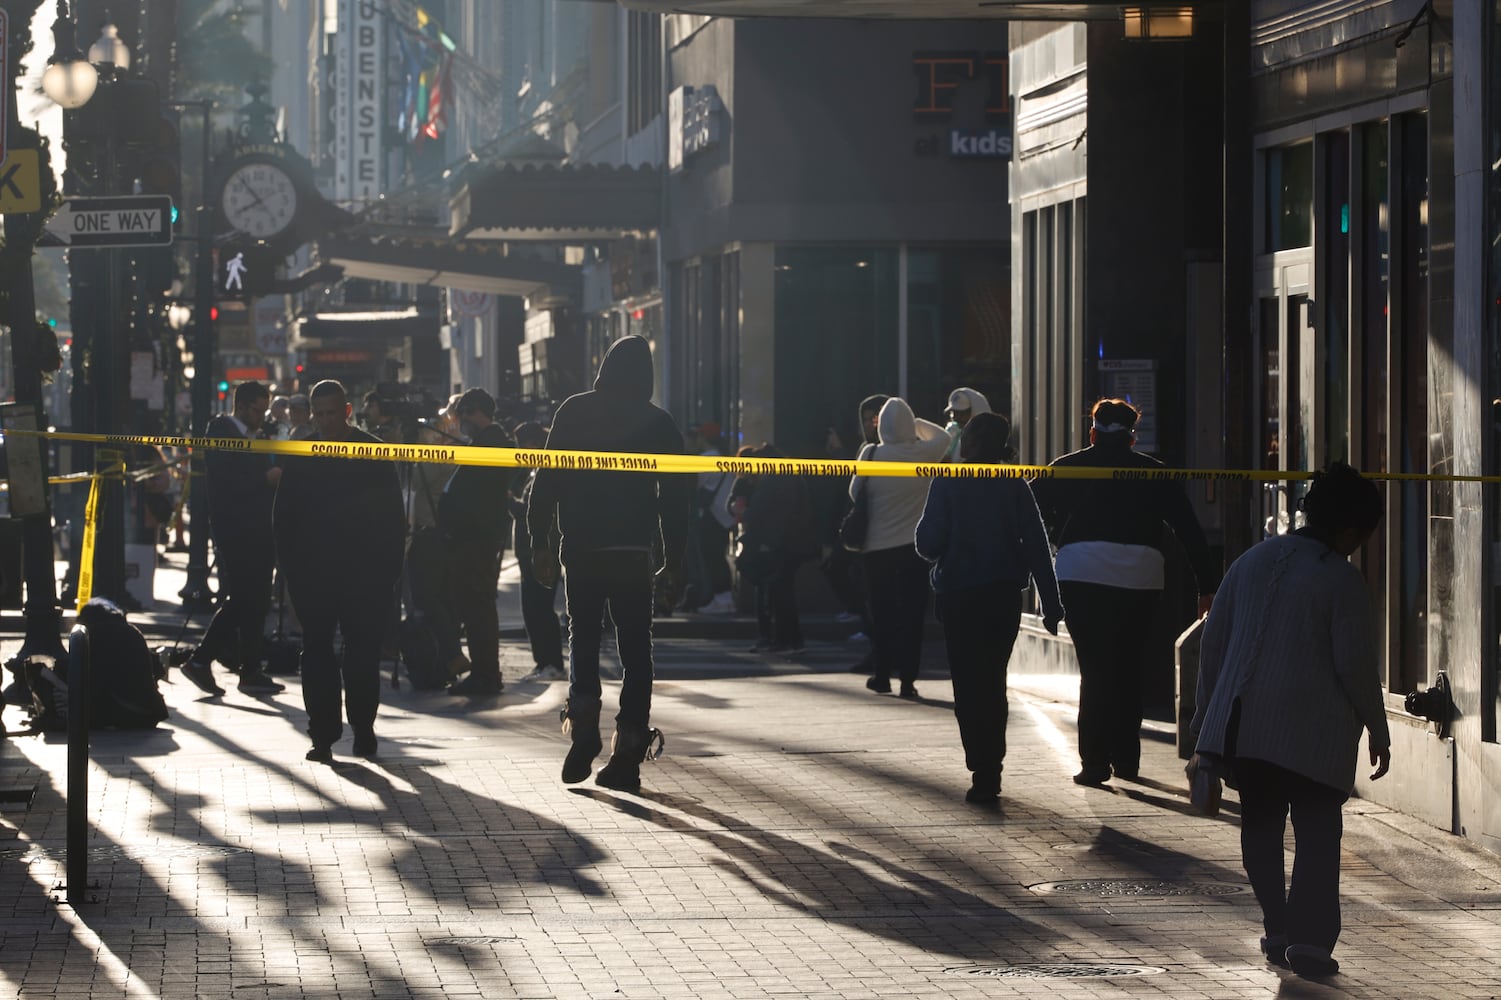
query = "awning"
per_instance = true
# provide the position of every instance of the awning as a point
(571, 203)
(431, 257)
(1009, 10)
(369, 324)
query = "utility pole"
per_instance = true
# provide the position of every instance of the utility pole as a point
(41, 613)
(195, 594)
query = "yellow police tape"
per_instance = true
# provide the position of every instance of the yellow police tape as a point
(86, 553)
(624, 462)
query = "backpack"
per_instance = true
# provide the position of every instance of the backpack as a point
(419, 653)
(123, 671)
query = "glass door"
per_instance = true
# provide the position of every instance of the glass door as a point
(1286, 393)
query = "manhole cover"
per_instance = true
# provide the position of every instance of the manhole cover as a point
(117, 852)
(1117, 887)
(471, 939)
(1042, 970)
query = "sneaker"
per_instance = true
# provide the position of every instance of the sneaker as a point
(880, 685)
(202, 676)
(321, 753)
(365, 746)
(1311, 961)
(255, 682)
(476, 686)
(1092, 776)
(1126, 773)
(547, 672)
(909, 691)
(845, 617)
(983, 796)
(1274, 947)
(719, 604)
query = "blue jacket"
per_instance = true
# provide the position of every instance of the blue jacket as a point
(979, 531)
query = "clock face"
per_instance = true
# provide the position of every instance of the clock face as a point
(259, 200)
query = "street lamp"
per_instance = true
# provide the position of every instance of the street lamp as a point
(70, 79)
(110, 50)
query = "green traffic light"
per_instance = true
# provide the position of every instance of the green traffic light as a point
(223, 386)
(174, 215)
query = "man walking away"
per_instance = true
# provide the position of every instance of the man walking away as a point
(1110, 567)
(608, 522)
(474, 518)
(241, 488)
(339, 535)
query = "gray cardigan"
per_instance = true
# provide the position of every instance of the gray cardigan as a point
(1291, 637)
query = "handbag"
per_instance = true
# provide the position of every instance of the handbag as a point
(1205, 773)
(856, 524)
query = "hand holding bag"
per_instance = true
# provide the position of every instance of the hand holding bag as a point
(1205, 773)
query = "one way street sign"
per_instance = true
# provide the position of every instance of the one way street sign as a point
(137, 221)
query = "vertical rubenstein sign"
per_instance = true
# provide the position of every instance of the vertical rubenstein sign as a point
(359, 92)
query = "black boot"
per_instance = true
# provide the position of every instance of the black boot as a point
(632, 745)
(583, 726)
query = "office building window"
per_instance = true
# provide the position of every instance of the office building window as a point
(643, 70)
(1289, 197)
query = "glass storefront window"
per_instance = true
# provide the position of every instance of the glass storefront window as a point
(1334, 245)
(1289, 198)
(836, 340)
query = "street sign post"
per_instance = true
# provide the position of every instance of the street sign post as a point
(133, 221)
(5, 81)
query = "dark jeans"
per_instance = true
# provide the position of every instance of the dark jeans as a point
(980, 625)
(897, 579)
(541, 621)
(620, 582)
(777, 617)
(359, 611)
(841, 570)
(1110, 627)
(473, 573)
(1308, 911)
(238, 629)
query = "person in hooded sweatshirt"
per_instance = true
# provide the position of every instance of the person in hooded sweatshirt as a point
(896, 576)
(964, 404)
(607, 523)
(984, 538)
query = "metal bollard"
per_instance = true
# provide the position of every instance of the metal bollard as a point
(78, 765)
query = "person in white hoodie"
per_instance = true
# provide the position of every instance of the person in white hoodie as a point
(964, 403)
(896, 576)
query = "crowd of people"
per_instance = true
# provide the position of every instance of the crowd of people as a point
(1287, 685)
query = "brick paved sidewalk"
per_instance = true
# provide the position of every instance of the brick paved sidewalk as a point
(802, 838)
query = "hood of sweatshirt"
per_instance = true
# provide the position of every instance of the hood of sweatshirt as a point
(977, 401)
(626, 370)
(896, 424)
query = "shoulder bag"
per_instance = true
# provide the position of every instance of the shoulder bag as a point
(856, 524)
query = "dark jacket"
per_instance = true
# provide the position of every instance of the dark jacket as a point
(239, 497)
(597, 510)
(339, 522)
(1128, 512)
(981, 531)
(475, 506)
(779, 518)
